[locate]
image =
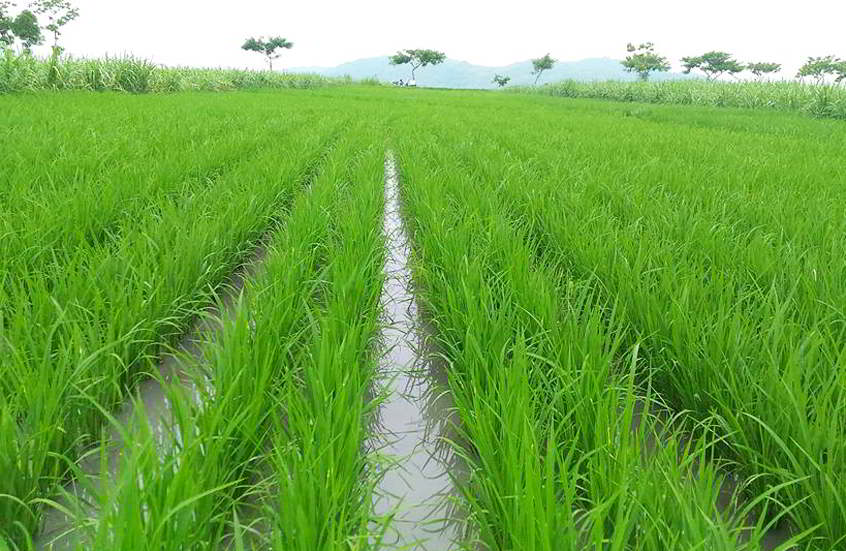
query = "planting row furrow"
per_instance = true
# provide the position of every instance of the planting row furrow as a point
(741, 332)
(546, 395)
(269, 456)
(74, 345)
(135, 177)
(414, 502)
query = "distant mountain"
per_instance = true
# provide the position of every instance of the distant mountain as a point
(460, 74)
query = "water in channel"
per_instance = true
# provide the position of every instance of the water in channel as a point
(416, 413)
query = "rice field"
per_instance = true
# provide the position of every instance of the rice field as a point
(636, 318)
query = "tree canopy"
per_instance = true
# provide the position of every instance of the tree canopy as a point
(643, 60)
(59, 13)
(269, 47)
(417, 59)
(542, 64)
(23, 27)
(761, 68)
(713, 64)
(819, 67)
(501, 80)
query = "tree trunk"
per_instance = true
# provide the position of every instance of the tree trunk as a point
(270, 62)
(537, 77)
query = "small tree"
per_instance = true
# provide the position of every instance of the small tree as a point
(501, 80)
(23, 27)
(818, 67)
(763, 68)
(542, 64)
(267, 47)
(643, 60)
(417, 59)
(713, 64)
(59, 13)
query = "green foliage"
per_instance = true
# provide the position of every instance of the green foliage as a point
(59, 13)
(269, 47)
(819, 68)
(501, 80)
(417, 59)
(7, 38)
(542, 64)
(22, 27)
(780, 96)
(25, 73)
(643, 60)
(636, 325)
(713, 64)
(762, 68)
(574, 282)
(166, 195)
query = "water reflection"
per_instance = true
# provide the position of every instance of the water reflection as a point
(416, 420)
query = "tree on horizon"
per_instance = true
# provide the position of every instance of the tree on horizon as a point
(713, 64)
(643, 60)
(23, 27)
(542, 64)
(268, 47)
(417, 59)
(762, 68)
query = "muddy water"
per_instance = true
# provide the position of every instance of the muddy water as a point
(151, 404)
(417, 412)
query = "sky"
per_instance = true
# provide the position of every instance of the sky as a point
(484, 32)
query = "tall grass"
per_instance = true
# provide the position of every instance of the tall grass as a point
(26, 73)
(826, 101)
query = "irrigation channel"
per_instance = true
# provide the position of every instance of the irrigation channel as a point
(414, 501)
(416, 491)
(416, 504)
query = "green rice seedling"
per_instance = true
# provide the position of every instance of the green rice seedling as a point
(660, 245)
(82, 201)
(183, 494)
(638, 306)
(322, 484)
(98, 328)
(545, 411)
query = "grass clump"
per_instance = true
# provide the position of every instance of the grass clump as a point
(826, 101)
(26, 73)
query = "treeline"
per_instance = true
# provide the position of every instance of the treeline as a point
(643, 60)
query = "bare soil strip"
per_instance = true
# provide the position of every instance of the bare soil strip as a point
(417, 489)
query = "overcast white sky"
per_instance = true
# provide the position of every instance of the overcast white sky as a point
(486, 32)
